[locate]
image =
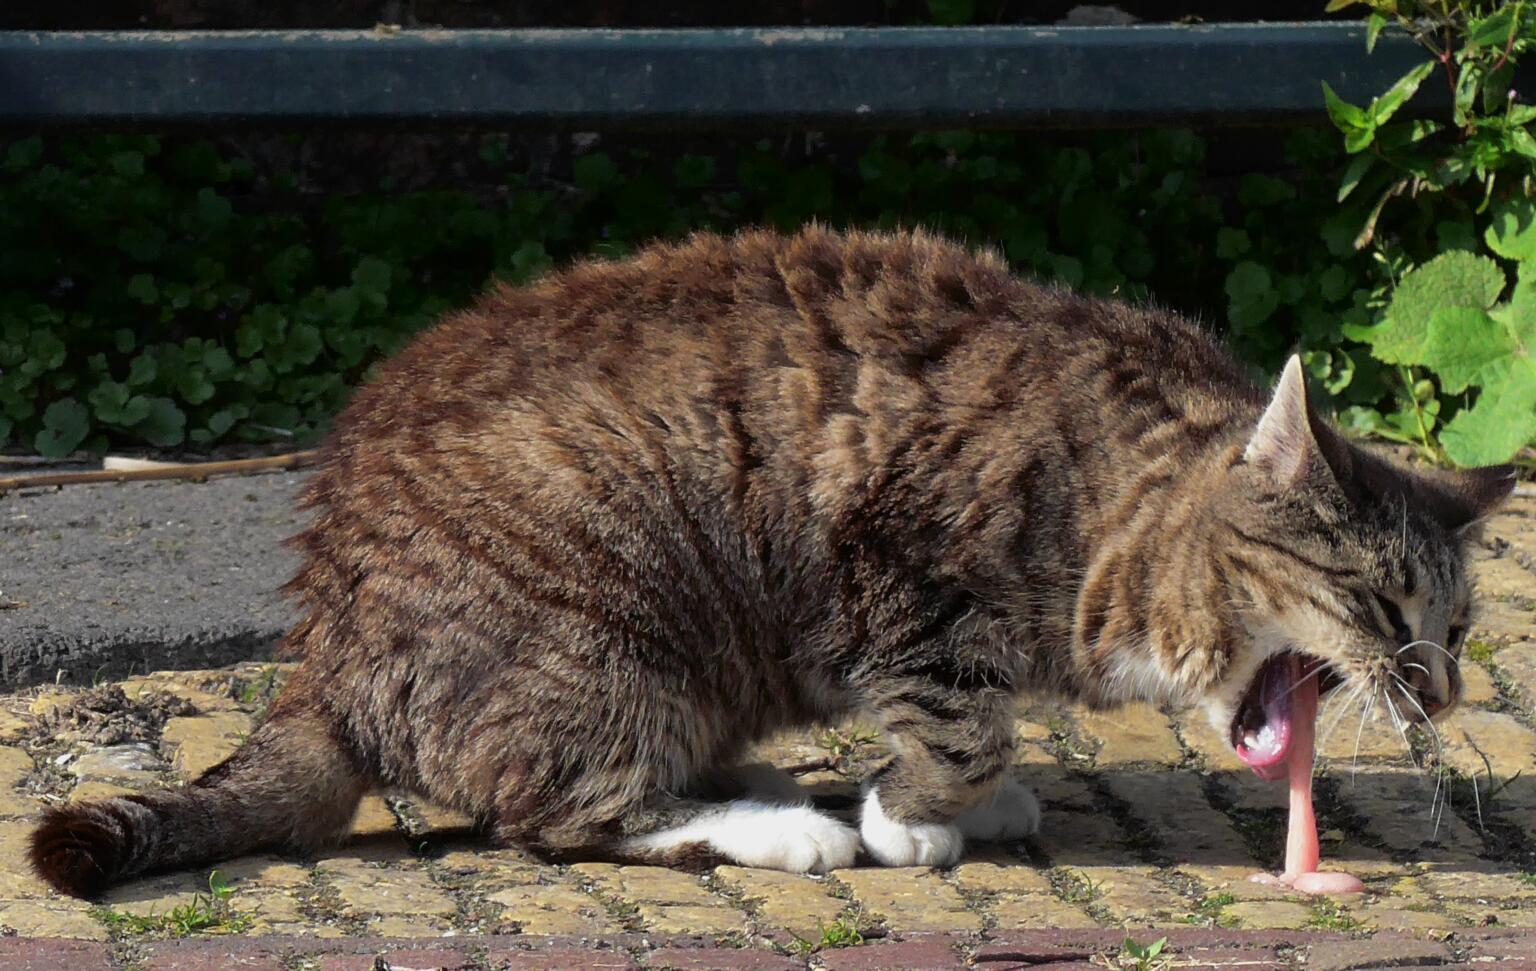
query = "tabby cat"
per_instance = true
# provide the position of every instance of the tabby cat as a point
(578, 547)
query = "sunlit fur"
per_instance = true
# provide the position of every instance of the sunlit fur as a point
(581, 544)
(1329, 539)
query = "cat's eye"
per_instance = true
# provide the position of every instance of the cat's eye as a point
(1394, 615)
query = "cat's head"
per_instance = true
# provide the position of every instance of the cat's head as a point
(1348, 561)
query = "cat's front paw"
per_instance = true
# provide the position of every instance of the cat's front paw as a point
(901, 844)
(1010, 813)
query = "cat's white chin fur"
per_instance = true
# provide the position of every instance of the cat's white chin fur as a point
(902, 844)
(794, 838)
(1010, 813)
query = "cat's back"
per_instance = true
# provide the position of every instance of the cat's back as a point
(759, 353)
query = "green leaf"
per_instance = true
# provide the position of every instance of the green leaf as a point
(1383, 108)
(1468, 83)
(194, 386)
(1454, 279)
(342, 305)
(165, 424)
(1456, 234)
(23, 154)
(218, 362)
(594, 172)
(1334, 283)
(1347, 118)
(107, 400)
(1502, 422)
(1512, 231)
(1251, 295)
(128, 164)
(1522, 142)
(213, 208)
(142, 242)
(141, 287)
(143, 370)
(1493, 30)
(65, 424)
(1353, 173)
(1232, 243)
(1373, 25)
(371, 275)
(1462, 343)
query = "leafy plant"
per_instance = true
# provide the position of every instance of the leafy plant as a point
(1208, 914)
(210, 913)
(1328, 915)
(843, 932)
(1076, 887)
(1144, 957)
(1452, 312)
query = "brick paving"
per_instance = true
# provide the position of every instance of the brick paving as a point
(1150, 830)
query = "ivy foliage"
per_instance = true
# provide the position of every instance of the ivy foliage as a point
(156, 292)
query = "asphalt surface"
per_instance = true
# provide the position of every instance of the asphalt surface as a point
(105, 580)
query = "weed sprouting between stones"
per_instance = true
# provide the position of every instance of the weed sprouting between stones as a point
(210, 913)
(843, 932)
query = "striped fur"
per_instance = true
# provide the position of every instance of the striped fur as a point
(578, 546)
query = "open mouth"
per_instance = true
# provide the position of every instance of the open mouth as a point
(1262, 728)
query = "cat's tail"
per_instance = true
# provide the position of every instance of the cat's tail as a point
(293, 785)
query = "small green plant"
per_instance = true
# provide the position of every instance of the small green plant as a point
(1479, 651)
(1208, 914)
(1328, 915)
(210, 913)
(1076, 887)
(843, 932)
(844, 745)
(1144, 957)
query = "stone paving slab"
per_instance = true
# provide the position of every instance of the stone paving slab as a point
(1150, 830)
(1054, 950)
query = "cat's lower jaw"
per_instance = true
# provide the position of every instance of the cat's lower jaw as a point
(1011, 812)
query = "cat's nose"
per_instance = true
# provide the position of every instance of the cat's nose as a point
(1432, 686)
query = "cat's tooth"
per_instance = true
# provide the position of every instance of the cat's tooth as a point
(1251, 739)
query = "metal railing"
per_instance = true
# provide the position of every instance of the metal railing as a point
(997, 77)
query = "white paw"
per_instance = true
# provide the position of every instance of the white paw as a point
(900, 844)
(1010, 813)
(769, 784)
(794, 838)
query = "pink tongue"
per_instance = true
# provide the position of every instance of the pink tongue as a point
(1301, 849)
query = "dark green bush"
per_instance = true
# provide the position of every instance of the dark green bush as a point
(156, 292)
(153, 292)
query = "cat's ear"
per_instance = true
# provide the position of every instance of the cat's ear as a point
(1285, 443)
(1456, 498)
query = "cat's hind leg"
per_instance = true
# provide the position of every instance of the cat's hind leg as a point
(749, 832)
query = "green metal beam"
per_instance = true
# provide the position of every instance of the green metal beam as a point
(996, 77)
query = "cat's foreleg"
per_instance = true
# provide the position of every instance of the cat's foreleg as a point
(948, 782)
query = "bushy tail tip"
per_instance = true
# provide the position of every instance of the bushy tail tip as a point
(77, 849)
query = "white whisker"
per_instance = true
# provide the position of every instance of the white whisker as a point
(1453, 659)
